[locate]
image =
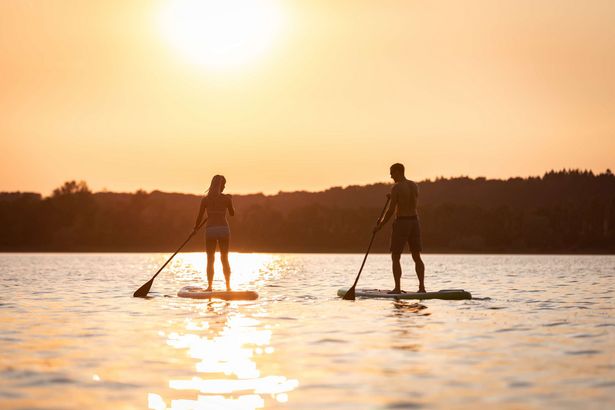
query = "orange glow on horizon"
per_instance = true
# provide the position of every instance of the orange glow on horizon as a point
(301, 95)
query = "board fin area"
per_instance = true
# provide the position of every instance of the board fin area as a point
(198, 292)
(446, 294)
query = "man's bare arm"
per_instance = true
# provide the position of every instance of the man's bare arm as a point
(390, 211)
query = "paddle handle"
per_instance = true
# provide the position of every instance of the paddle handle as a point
(180, 248)
(371, 241)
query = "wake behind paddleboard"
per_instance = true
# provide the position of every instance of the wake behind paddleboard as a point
(448, 294)
(197, 292)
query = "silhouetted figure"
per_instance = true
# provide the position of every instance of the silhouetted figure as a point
(217, 231)
(406, 228)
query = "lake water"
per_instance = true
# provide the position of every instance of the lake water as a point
(540, 333)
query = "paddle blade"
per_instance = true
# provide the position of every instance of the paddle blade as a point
(350, 294)
(143, 290)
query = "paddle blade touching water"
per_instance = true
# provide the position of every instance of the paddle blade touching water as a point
(350, 294)
(144, 290)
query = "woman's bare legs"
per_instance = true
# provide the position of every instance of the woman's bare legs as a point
(226, 267)
(210, 247)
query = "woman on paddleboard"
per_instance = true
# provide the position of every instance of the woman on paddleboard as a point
(217, 231)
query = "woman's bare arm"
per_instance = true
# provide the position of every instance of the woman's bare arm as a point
(231, 210)
(201, 212)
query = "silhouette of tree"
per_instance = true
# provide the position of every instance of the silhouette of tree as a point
(562, 211)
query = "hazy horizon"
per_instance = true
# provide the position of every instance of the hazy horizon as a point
(272, 193)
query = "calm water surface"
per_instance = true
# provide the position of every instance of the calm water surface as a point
(540, 333)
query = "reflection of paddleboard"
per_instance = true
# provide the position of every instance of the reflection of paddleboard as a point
(450, 294)
(198, 292)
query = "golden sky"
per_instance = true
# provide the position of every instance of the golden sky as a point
(97, 90)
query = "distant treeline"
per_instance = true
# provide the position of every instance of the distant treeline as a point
(561, 212)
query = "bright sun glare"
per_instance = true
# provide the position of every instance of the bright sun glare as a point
(221, 33)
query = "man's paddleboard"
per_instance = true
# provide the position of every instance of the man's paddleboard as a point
(449, 294)
(197, 292)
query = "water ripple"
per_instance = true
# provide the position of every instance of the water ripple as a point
(537, 334)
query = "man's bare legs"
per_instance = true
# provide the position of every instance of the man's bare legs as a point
(395, 257)
(419, 267)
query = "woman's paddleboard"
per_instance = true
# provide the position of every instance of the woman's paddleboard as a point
(449, 294)
(197, 292)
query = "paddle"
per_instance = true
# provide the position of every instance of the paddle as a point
(350, 294)
(144, 290)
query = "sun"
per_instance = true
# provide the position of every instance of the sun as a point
(221, 34)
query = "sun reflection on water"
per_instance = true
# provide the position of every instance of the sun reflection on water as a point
(246, 268)
(232, 349)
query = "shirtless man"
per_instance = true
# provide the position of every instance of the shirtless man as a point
(406, 228)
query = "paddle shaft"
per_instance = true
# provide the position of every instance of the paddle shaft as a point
(179, 249)
(144, 289)
(370, 244)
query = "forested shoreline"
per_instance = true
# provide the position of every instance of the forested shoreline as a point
(561, 212)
